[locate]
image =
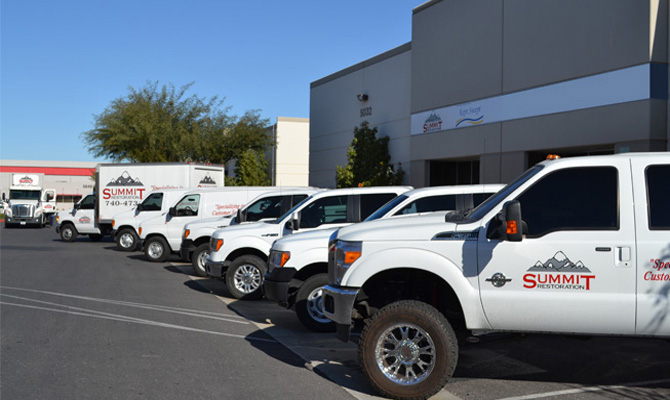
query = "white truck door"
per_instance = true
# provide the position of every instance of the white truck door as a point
(574, 271)
(84, 216)
(652, 191)
(187, 210)
(49, 201)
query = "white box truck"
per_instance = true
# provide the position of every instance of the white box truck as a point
(121, 187)
(28, 203)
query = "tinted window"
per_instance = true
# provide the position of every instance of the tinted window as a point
(267, 207)
(327, 210)
(88, 203)
(479, 198)
(298, 198)
(188, 206)
(153, 202)
(658, 189)
(572, 199)
(371, 202)
(432, 203)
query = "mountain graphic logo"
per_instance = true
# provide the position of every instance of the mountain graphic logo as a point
(125, 180)
(207, 180)
(433, 117)
(559, 263)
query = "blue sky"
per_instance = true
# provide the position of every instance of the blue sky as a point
(63, 62)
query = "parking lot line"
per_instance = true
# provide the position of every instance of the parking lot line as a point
(585, 390)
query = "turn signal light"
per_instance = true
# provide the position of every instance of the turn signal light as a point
(284, 258)
(553, 156)
(351, 256)
(218, 244)
(186, 233)
(140, 231)
(511, 228)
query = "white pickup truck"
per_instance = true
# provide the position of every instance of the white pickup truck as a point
(298, 264)
(575, 245)
(268, 206)
(238, 254)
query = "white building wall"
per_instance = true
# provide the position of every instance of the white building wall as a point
(291, 157)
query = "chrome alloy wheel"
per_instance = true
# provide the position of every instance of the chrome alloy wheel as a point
(247, 278)
(155, 250)
(201, 260)
(315, 306)
(405, 354)
(126, 240)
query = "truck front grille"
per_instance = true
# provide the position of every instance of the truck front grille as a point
(22, 211)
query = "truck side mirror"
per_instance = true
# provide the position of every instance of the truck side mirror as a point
(241, 216)
(507, 225)
(3, 196)
(77, 206)
(172, 212)
(294, 223)
(514, 223)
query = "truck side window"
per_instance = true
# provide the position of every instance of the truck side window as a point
(371, 202)
(153, 202)
(445, 202)
(188, 206)
(268, 207)
(327, 210)
(88, 203)
(658, 191)
(584, 198)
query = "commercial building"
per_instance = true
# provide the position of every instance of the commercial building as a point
(71, 180)
(487, 88)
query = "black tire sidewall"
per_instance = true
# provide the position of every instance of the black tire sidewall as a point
(230, 277)
(194, 259)
(430, 320)
(163, 243)
(301, 309)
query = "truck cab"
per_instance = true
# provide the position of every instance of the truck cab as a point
(573, 246)
(78, 220)
(28, 204)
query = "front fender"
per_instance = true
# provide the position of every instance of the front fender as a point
(308, 257)
(466, 286)
(231, 246)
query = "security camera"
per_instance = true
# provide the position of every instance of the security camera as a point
(362, 97)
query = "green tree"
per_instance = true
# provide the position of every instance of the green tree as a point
(368, 161)
(251, 170)
(162, 124)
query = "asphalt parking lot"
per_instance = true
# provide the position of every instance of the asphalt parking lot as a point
(51, 333)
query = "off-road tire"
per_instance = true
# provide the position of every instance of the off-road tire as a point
(309, 304)
(68, 233)
(428, 338)
(198, 259)
(244, 277)
(126, 239)
(156, 249)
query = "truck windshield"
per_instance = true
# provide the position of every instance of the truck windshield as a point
(383, 210)
(24, 194)
(481, 210)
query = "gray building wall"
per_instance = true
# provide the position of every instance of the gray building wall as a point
(465, 50)
(335, 111)
(476, 51)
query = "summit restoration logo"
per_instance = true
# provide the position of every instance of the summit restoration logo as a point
(124, 190)
(433, 123)
(559, 273)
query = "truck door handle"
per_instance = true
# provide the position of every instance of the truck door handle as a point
(603, 249)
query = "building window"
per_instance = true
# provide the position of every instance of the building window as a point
(454, 172)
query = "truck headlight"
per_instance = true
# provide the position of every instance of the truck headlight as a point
(342, 255)
(215, 244)
(278, 259)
